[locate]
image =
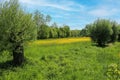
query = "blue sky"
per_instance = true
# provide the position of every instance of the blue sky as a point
(75, 13)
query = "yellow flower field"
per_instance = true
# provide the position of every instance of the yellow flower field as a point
(61, 40)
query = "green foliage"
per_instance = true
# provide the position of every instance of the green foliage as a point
(53, 32)
(101, 32)
(61, 33)
(114, 36)
(43, 32)
(113, 72)
(38, 18)
(86, 31)
(15, 24)
(42, 22)
(64, 32)
(16, 27)
(118, 32)
(75, 33)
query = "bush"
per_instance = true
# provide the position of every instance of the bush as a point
(101, 32)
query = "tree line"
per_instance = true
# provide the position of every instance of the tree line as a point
(45, 31)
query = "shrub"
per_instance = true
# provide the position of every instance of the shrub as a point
(101, 32)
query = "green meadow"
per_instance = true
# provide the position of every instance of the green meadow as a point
(58, 40)
(68, 61)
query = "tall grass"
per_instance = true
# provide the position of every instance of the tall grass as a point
(71, 61)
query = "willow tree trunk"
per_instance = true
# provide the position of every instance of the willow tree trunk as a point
(18, 54)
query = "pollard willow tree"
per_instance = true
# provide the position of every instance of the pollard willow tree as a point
(101, 32)
(16, 27)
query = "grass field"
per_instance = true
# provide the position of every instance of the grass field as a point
(74, 59)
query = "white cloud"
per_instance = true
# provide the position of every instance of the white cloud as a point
(63, 4)
(57, 16)
(103, 12)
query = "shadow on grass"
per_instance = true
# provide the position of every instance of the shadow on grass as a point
(9, 65)
(103, 46)
(6, 65)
